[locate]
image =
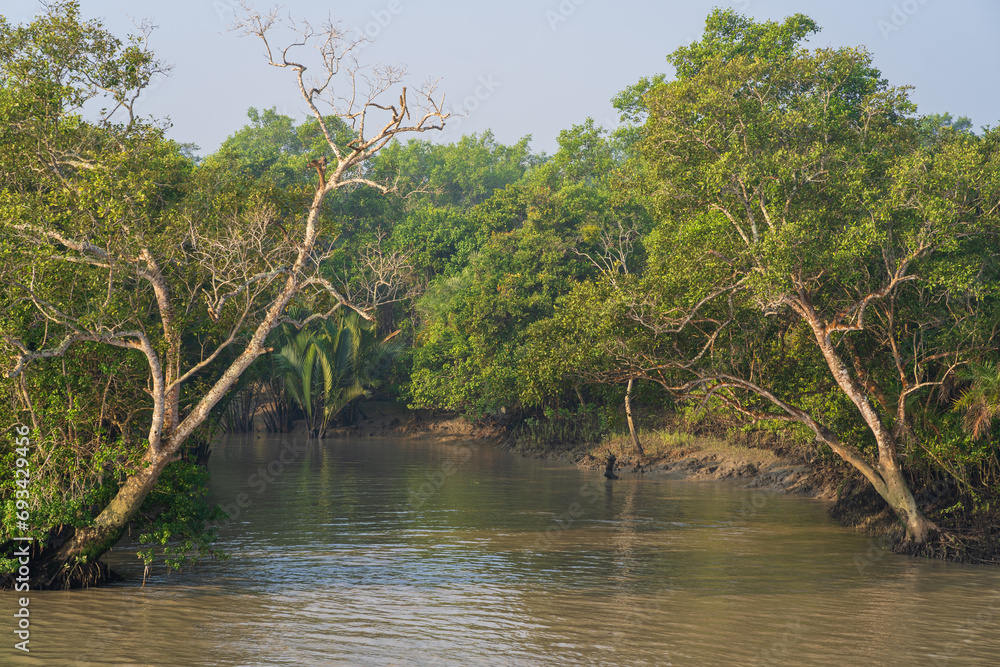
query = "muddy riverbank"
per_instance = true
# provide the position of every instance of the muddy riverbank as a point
(673, 455)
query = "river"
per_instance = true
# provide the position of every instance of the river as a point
(394, 552)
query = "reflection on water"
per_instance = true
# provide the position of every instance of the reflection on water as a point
(405, 553)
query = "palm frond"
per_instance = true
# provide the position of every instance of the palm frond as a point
(980, 403)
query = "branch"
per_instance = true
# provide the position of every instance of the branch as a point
(341, 300)
(214, 311)
(856, 311)
(26, 356)
(98, 256)
(367, 85)
(823, 434)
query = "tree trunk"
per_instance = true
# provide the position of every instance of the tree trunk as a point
(918, 527)
(76, 560)
(628, 416)
(889, 481)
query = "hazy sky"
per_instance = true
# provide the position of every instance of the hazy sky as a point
(536, 67)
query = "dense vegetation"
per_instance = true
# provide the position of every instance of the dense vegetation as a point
(774, 238)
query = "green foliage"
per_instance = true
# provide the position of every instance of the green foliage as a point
(935, 126)
(631, 106)
(460, 175)
(84, 437)
(979, 404)
(584, 156)
(273, 149)
(441, 238)
(177, 518)
(59, 62)
(794, 190)
(330, 363)
(466, 356)
(446, 218)
(87, 440)
(522, 249)
(730, 36)
(106, 176)
(766, 188)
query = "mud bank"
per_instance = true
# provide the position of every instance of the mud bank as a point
(692, 458)
(677, 455)
(750, 468)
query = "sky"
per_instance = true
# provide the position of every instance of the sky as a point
(535, 67)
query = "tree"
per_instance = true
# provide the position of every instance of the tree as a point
(934, 126)
(273, 149)
(584, 154)
(448, 184)
(476, 320)
(329, 364)
(528, 245)
(462, 174)
(95, 247)
(797, 179)
(631, 106)
(813, 262)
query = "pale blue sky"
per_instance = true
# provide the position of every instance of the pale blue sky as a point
(550, 63)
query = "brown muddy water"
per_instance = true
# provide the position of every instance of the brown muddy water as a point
(392, 552)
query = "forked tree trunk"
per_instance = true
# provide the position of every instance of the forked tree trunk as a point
(87, 544)
(887, 475)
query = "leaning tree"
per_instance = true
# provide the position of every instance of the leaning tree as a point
(100, 246)
(801, 206)
(816, 258)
